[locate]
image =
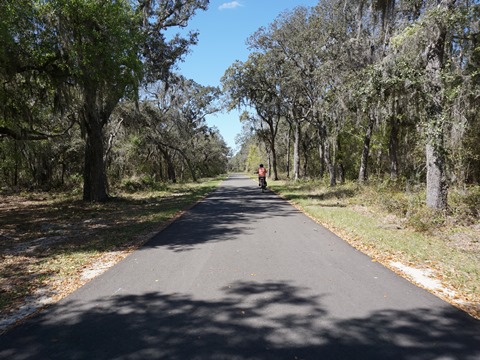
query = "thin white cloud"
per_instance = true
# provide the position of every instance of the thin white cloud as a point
(229, 5)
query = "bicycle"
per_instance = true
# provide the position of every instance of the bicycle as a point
(263, 183)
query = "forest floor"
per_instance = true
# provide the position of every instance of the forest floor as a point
(51, 244)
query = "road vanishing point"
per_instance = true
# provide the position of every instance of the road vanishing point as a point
(245, 275)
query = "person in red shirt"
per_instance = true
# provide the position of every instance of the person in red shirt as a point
(262, 173)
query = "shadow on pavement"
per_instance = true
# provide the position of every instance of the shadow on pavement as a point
(252, 321)
(227, 212)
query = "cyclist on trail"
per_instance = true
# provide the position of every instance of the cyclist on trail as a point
(262, 173)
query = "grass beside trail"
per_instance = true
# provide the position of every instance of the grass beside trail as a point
(393, 225)
(48, 241)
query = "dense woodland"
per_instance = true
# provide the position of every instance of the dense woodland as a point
(345, 90)
(352, 90)
(89, 94)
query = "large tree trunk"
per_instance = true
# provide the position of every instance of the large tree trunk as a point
(94, 177)
(97, 108)
(171, 175)
(436, 197)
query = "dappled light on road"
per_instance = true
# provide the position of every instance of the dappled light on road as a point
(274, 320)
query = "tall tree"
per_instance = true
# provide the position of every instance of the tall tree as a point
(435, 145)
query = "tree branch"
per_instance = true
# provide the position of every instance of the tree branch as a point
(30, 135)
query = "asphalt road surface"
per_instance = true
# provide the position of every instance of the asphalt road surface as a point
(244, 275)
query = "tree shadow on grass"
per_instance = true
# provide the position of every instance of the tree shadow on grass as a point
(272, 320)
(72, 219)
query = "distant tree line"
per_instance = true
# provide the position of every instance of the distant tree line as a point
(356, 89)
(88, 93)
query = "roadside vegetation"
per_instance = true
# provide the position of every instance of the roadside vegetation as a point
(395, 227)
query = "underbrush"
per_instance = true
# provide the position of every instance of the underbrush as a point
(463, 209)
(137, 183)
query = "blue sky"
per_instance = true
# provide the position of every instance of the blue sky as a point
(224, 29)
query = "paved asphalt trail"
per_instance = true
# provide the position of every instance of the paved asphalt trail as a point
(244, 275)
